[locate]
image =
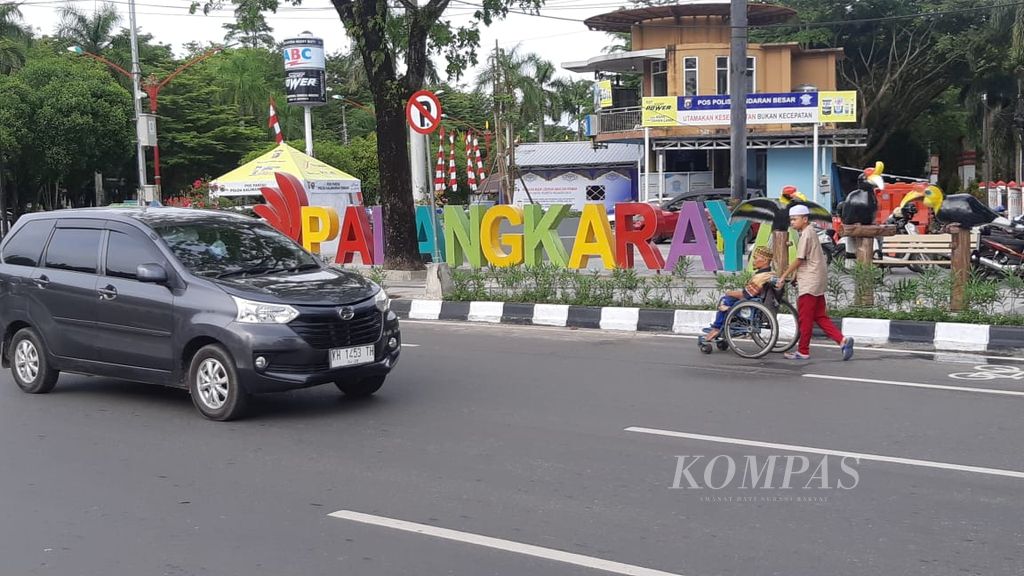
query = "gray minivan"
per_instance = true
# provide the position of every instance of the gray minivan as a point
(218, 303)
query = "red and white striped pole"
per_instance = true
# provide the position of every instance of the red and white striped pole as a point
(274, 124)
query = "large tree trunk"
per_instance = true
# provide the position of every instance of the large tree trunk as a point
(401, 245)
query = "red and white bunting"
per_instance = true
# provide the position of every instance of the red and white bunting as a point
(453, 174)
(480, 175)
(274, 124)
(470, 170)
(439, 180)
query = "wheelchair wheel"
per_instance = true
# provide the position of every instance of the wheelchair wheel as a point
(704, 347)
(789, 327)
(751, 329)
(722, 345)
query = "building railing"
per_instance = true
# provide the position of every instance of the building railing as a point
(619, 120)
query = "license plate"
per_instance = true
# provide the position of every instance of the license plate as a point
(351, 356)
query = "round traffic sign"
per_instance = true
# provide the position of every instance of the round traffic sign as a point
(423, 111)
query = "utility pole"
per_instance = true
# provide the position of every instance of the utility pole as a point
(499, 129)
(738, 97)
(344, 125)
(136, 81)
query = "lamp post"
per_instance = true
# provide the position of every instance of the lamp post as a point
(344, 120)
(150, 89)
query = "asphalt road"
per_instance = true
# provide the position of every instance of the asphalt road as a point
(520, 434)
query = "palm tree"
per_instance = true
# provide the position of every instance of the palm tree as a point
(576, 98)
(13, 38)
(524, 86)
(92, 33)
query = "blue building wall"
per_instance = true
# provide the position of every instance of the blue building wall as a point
(793, 167)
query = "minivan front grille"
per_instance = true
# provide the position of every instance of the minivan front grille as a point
(323, 332)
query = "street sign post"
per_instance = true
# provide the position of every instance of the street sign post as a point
(423, 111)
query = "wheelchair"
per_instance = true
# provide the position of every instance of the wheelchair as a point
(756, 327)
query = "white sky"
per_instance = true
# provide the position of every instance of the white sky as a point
(169, 22)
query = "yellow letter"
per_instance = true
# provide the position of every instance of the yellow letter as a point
(593, 238)
(492, 242)
(319, 224)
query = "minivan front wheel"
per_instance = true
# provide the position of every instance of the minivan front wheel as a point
(361, 388)
(32, 372)
(214, 386)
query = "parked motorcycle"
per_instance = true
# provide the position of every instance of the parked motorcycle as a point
(1000, 251)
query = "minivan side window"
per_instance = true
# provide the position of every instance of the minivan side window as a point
(125, 252)
(26, 246)
(74, 249)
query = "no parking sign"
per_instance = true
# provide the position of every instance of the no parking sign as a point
(423, 111)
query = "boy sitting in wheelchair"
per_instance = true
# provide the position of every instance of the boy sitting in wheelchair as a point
(762, 275)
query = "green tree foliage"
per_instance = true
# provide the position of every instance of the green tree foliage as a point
(200, 135)
(90, 32)
(250, 28)
(14, 37)
(79, 122)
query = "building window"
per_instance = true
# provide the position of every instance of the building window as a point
(659, 78)
(595, 193)
(690, 76)
(722, 74)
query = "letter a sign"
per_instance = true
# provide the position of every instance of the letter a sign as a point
(423, 111)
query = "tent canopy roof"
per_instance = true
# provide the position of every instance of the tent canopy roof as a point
(250, 177)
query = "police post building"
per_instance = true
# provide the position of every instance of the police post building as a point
(680, 60)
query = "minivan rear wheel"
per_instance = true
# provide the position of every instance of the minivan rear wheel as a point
(31, 370)
(214, 386)
(361, 388)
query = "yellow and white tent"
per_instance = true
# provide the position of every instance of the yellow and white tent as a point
(317, 177)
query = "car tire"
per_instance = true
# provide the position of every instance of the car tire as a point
(361, 388)
(214, 385)
(29, 364)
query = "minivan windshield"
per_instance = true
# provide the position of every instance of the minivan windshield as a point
(223, 248)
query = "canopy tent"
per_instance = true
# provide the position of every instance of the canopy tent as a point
(317, 177)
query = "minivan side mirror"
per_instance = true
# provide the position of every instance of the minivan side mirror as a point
(151, 273)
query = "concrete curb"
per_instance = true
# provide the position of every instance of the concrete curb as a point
(942, 336)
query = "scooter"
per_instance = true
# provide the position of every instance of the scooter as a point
(1000, 251)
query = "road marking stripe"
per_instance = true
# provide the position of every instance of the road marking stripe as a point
(917, 385)
(499, 544)
(826, 452)
(410, 345)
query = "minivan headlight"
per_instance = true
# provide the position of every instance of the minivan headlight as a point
(250, 312)
(381, 300)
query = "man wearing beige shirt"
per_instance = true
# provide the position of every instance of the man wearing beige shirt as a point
(811, 270)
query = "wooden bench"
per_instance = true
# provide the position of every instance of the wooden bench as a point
(937, 248)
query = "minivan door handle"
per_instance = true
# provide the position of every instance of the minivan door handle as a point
(42, 281)
(107, 293)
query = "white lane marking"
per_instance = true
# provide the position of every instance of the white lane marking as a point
(991, 372)
(827, 452)
(404, 345)
(499, 544)
(916, 385)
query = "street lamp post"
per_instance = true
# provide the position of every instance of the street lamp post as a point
(344, 120)
(150, 89)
